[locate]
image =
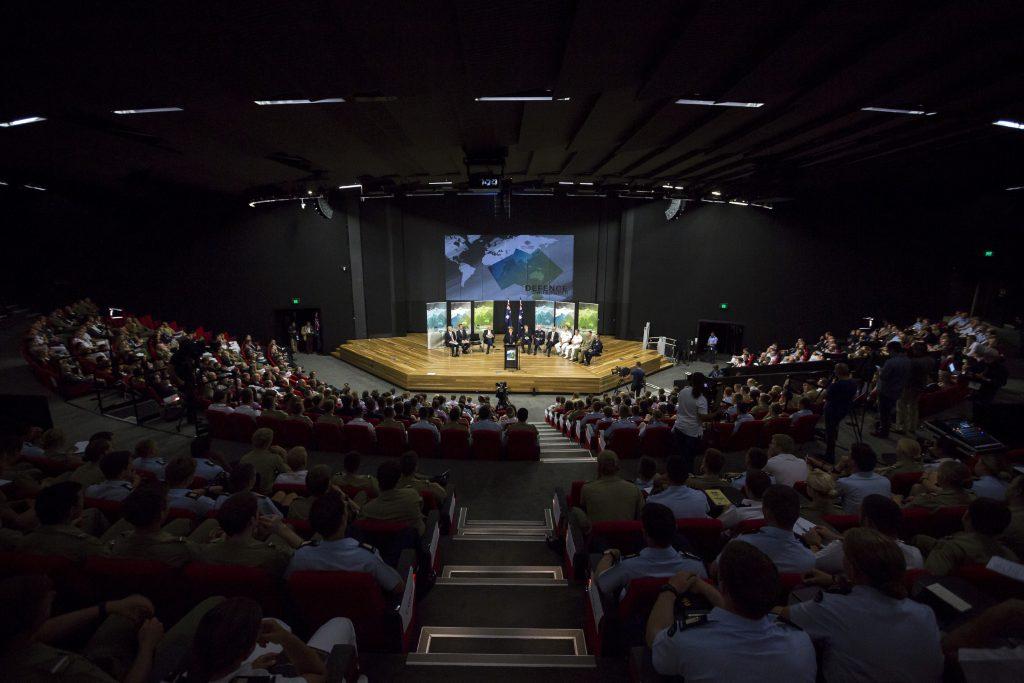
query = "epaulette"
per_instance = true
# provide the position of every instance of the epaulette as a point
(685, 621)
(312, 543)
(127, 486)
(629, 557)
(367, 546)
(194, 495)
(161, 461)
(689, 556)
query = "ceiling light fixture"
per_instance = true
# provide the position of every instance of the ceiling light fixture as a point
(535, 97)
(713, 201)
(1005, 123)
(151, 110)
(715, 103)
(326, 100)
(566, 182)
(5, 184)
(890, 110)
(21, 122)
(350, 187)
(716, 193)
(667, 187)
(738, 202)
(1009, 189)
(35, 187)
(439, 182)
(585, 183)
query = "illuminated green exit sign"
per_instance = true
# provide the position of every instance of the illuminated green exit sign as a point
(724, 307)
(295, 301)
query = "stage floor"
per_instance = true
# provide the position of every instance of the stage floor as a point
(408, 363)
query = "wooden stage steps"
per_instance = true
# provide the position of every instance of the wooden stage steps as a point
(407, 363)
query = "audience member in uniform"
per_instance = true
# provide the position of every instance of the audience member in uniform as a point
(233, 642)
(329, 518)
(863, 480)
(874, 632)
(116, 467)
(784, 467)
(239, 518)
(270, 409)
(296, 460)
(740, 640)
(351, 479)
(145, 510)
(609, 497)
(647, 472)
(781, 508)
(395, 504)
(989, 470)
(410, 478)
(658, 558)
(90, 473)
(148, 460)
(984, 521)
(425, 423)
(946, 486)
(318, 482)
(876, 512)
(711, 468)
(58, 507)
(179, 475)
(757, 482)
(264, 461)
(683, 501)
(1013, 536)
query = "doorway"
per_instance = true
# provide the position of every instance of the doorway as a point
(299, 329)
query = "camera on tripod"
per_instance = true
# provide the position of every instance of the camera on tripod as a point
(501, 392)
(620, 371)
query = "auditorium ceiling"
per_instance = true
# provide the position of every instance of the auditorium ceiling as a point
(410, 71)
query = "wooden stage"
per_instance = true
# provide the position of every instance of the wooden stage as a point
(409, 364)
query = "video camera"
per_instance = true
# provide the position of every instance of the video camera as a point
(501, 392)
(620, 371)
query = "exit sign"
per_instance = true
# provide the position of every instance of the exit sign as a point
(295, 301)
(989, 252)
(723, 306)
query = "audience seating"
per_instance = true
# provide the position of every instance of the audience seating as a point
(522, 445)
(902, 482)
(422, 441)
(292, 433)
(233, 581)
(626, 535)
(997, 585)
(299, 489)
(391, 441)
(360, 438)
(656, 441)
(625, 443)
(329, 437)
(704, 535)
(110, 508)
(455, 444)
(773, 426)
(217, 421)
(117, 577)
(241, 426)
(842, 522)
(749, 526)
(802, 429)
(486, 445)
(50, 467)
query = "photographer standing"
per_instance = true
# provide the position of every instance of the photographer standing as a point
(638, 375)
(691, 414)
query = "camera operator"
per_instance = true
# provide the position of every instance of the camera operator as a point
(638, 375)
(501, 393)
(691, 414)
(839, 397)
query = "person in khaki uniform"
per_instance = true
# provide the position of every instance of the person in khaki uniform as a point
(394, 504)
(266, 462)
(984, 521)
(609, 497)
(239, 519)
(711, 472)
(908, 459)
(418, 482)
(90, 473)
(318, 481)
(823, 494)
(269, 409)
(1013, 536)
(367, 484)
(57, 507)
(947, 487)
(145, 510)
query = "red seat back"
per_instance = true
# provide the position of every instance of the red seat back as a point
(360, 438)
(914, 521)
(902, 482)
(946, 521)
(704, 534)
(422, 441)
(575, 493)
(842, 522)
(241, 426)
(626, 535)
(300, 526)
(625, 443)
(218, 423)
(353, 491)
(299, 489)
(486, 445)
(232, 581)
(117, 577)
(455, 443)
(110, 508)
(747, 435)
(640, 597)
(997, 585)
(802, 430)
(320, 596)
(656, 441)
(749, 526)
(773, 426)
(522, 445)
(329, 437)
(391, 441)
(292, 433)
(271, 423)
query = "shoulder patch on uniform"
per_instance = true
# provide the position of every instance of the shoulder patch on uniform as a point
(629, 557)
(312, 543)
(194, 495)
(367, 546)
(689, 556)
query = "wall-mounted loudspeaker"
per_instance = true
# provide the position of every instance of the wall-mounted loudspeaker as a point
(323, 208)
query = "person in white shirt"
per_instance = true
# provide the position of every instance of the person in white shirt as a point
(296, 459)
(691, 414)
(876, 512)
(564, 337)
(782, 465)
(757, 482)
(218, 402)
(246, 406)
(574, 343)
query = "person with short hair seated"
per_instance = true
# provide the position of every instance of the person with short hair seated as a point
(781, 508)
(318, 482)
(394, 504)
(296, 459)
(452, 342)
(876, 512)
(179, 474)
(145, 511)
(89, 473)
(240, 519)
(742, 415)
(607, 498)
(756, 459)
(757, 482)
(710, 477)
(658, 558)
(295, 411)
(270, 409)
(947, 486)
(863, 480)
(218, 405)
(425, 422)
(805, 409)
(522, 424)
(983, 522)
(739, 640)
(58, 508)
(265, 462)
(908, 458)
(359, 420)
(329, 517)
(119, 483)
(821, 489)
(233, 642)
(873, 632)
(484, 421)
(350, 477)
(988, 469)
(412, 479)
(148, 460)
(784, 467)
(684, 502)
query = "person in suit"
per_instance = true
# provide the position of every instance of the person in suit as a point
(538, 340)
(488, 339)
(596, 347)
(510, 337)
(462, 336)
(451, 342)
(550, 340)
(526, 339)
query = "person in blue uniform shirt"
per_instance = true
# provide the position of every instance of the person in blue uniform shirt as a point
(614, 572)
(329, 518)
(781, 508)
(863, 481)
(683, 501)
(179, 475)
(538, 340)
(739, 639)
(116, 467)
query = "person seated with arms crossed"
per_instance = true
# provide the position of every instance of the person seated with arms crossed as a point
(873, 632)
(360, 487)
(757, 482)
(658, 558)
(984, 521)
(947, 486)
(784, 467)
(876, 512)
(609, 497)
(780, 506)
(710, 477)
(684, 502)
(395, 504)
(266, 463)
(329, 517)
(739, 640)
(119, 482)
(233, 642)
(243, 527)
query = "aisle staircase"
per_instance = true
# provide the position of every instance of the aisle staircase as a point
(556, 448)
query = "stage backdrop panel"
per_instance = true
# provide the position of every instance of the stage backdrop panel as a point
(508, 266)
(483, 316)
(565, 314)
(587, 317)
(461, 313)
(544, 314)
(437, 321)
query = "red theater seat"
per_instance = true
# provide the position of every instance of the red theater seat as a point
(625, 443)
(574, 499)
(749, 526)
(360, 438)
(997, 585)
(773, 426)
(219, 426)
(241, 427)
(292, 433)
(656, 441)
(705, 535)
(329, 437)
(117, 577)
(486, 445)
(626, 535)
(391, 441)
(802, 429)
(233, 581)
(455, 444)
(422, 441)
(902, 482)
(522, 445)
(747, 435)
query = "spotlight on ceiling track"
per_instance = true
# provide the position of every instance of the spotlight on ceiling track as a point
(675, 209)
(22, 121)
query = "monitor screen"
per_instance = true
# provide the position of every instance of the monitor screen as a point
(483, 267)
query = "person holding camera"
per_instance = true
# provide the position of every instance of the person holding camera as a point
(691, 414)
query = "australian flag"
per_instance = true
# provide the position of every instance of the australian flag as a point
(508, 314)
(519, 325)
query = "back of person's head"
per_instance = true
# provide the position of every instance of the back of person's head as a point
(245, 396)
(225, 636)
(608, 411)
(242, 477)
(757, 458)
(25, 600)
(697, 384)
(145, 505)
(648, 467)
(179, 471)
(318, 480)
(842, 370)
(388, 474)
(51, 439)
(327, 514)
(607, 463)
(954, 474)
(296, 458)
(357, 412)
(863, 457)
(352, 461)
(407, 463)
(268, 401)
(484, 413)
(454, 414)
(95, 450)
(425, 413)
(146, 448)
(894, 347)
(675, 469)
(877, 560)
(882, 513)
(988, 517)
(749, 578)
(55, 503)
(523, 415)
(821, 484)
(908, 449)
(783, 443)
(659, 524)
(757, 482)
(218, 395)
(262, 437)
(114, 463)
(782, 504)
(742, 408)
(236, 512)
(714, 461)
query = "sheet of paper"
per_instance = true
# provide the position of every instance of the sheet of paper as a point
(1000, 565)
(949, 597)
(802, 526)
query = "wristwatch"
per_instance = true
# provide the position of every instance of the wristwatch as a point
(668, 587)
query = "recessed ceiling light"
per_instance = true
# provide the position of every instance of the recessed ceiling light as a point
(35, 187)
(1009, 124)
(890, 110)
(21, 122)
(566, 182)
(713, 201)
(1009, 189)
(715, 103)
(716, 193)
(439, 182)
(738, 202)
(151, 110)
(5, 184)
(585, 183)
(667, 187)
(350, 187)
(677, 187)
(326, 100)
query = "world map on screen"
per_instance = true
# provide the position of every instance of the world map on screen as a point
(508, 267)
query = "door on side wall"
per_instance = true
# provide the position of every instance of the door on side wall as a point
(299, 329)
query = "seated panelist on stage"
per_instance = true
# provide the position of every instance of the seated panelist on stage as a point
(525, 338)
(564, 337)
(539, 338)
(574, 343)
(551, 339)
(577, 354)
(488, 338)
(462, 336)
(451, 341)
(596, 347)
